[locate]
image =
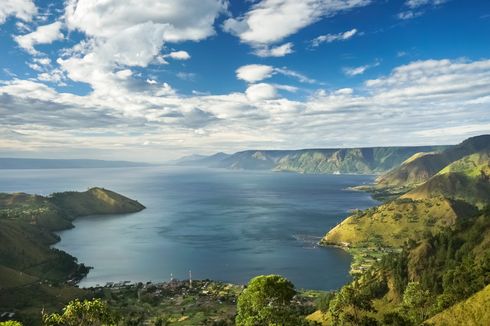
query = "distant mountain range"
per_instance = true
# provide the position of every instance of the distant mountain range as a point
(337, 160)
(34, 163)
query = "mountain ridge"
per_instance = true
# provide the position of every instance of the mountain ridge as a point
(362, 160)
(417, 170)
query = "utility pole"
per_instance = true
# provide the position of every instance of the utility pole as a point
(190, 279)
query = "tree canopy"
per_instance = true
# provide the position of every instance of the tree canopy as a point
(267, 301)
(83, 313)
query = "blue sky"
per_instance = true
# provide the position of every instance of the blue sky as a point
(154, 80)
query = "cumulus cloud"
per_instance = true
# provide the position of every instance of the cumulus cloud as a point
(147, 24)
(278, 51)
(260, 92)
(329, 38)
(407, 106)
(45, 34)
(180, 19)
(21, 9)
(270, 21)
(254, 73)
(179, 55)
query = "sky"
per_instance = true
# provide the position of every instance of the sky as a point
(153, 80)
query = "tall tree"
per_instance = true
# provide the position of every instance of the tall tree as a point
(267, 301)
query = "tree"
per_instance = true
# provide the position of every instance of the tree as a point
(416, 302)
(82, 313)
(347, 307)
(267, 301)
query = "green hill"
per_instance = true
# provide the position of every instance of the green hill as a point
(451, 194)
(421, 167)
(466, 179)
(395, 222)
(430, 277)
(27, 223)
(474, 311)
(426, 253)
(94, 201)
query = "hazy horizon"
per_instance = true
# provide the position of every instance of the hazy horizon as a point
(15, 155)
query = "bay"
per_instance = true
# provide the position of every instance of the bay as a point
(220, 224)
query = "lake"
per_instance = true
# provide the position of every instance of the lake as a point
(220, 224)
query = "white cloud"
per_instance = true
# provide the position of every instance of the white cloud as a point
(124, 74)
(179, 55)
(329, 38)
(406, 107)
(409, 14)
(417, 8)
(278, 51)
(355, 71)
(419, 3)
(130, 33)
(54, 76)
(180, 20)
(45, 34)
(260, 92)
(254, 73)
(344, 91)
(294, 74)
(287, 88)
(270, 21)
(42, 61)
(21, 9)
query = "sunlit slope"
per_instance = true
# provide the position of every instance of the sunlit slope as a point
(393, 223)
(422, 167)
(454, 192)
(466, 179)
(474, 311)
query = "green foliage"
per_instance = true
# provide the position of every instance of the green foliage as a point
(349, 307)
(434, 274)
(82, 313)
(267, 301)
(396, 319)
(416, 302)
(473, 311)
(323, 301)
(10, 323)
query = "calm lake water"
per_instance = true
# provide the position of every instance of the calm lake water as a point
(223, 225)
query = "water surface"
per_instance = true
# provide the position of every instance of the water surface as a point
(223, 225)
